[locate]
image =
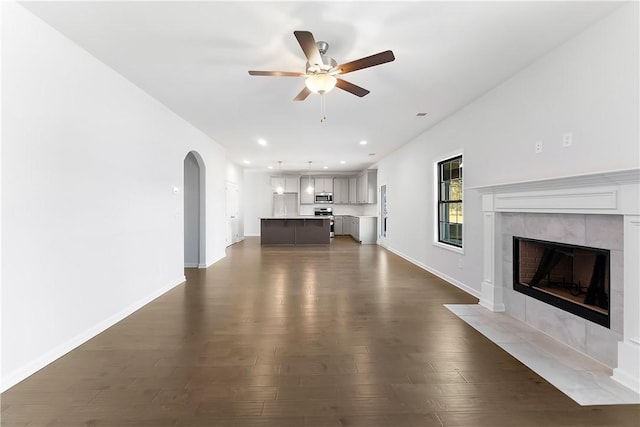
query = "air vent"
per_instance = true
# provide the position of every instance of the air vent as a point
(421, 114)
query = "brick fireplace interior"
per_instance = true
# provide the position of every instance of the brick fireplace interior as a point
(570, 277)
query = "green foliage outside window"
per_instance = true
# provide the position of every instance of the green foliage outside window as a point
(450, 201)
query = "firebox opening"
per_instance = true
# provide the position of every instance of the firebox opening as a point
(571, 278)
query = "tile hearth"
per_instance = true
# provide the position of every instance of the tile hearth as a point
(580, 377)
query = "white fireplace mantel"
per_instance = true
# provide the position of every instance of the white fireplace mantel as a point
(606, 193)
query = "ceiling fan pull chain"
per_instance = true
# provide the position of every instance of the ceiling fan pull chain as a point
(323, 117)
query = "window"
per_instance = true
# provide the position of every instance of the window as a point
(450, 201)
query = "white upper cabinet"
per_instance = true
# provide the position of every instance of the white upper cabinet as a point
(323, 185)
(366, 186)
(289, 184)
(307, 198)
(353, 190)
(360, 189)
(341, 190)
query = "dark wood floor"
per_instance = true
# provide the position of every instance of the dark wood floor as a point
(290, 337)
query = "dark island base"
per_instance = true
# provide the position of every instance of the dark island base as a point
(295, 231)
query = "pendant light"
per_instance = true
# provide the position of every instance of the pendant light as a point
(280, 188)
(309, 186)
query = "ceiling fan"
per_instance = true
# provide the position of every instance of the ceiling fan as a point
(321, 70)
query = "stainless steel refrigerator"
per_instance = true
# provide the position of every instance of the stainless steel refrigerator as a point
(285, 204)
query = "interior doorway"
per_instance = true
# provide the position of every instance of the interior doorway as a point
(383, 211)
(194, 211)
(232, 213)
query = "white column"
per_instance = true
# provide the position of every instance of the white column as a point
(491, 295)
(628, 371)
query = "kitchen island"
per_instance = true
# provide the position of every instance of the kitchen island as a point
(295, 230)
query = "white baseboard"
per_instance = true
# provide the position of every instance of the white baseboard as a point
(191, 265)
(468, 289)
(13, 378)
(214, 260)
(628, 371)
(236, 242)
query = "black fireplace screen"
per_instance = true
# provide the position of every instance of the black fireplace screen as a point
(571, 278)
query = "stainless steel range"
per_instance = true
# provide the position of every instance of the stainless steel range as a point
(325, 212)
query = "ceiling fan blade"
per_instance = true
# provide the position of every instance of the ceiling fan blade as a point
(366, 62)
(308, 45)
(351, 88)
(276, 73)
(302, 95)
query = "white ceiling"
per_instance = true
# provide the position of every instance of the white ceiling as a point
(194, 57)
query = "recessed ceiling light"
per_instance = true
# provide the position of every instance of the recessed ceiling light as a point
(363, 142)
(342, 162)
(246, 162)
(269, 167)
(262, 142)
(325, 167)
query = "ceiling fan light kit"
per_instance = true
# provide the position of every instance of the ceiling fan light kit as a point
(320, 83)
(321, 70)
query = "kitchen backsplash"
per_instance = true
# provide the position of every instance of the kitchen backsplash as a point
(355, 210)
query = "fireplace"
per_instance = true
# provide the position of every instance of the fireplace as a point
(597, 210)
(570, 277)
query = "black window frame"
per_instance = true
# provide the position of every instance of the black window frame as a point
(453, 230)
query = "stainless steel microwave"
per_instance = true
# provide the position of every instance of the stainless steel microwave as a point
(324, 198)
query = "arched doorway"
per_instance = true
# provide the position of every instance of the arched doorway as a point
(194, 211)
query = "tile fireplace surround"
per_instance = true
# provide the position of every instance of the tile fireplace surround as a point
(598, 210)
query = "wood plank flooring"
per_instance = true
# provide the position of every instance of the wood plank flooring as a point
(346, 335)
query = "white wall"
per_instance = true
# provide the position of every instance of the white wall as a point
(91, 226)
(1, 185)
(588, 86)
(235, 174)
(258, 200)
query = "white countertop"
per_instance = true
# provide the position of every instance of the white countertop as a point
(315, 217)
(295, 217)
(359, 216)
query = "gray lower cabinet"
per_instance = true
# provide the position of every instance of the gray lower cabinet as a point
(367, 229)
(346, 226)
(338, 225)
(355, 228)
(362, 229)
